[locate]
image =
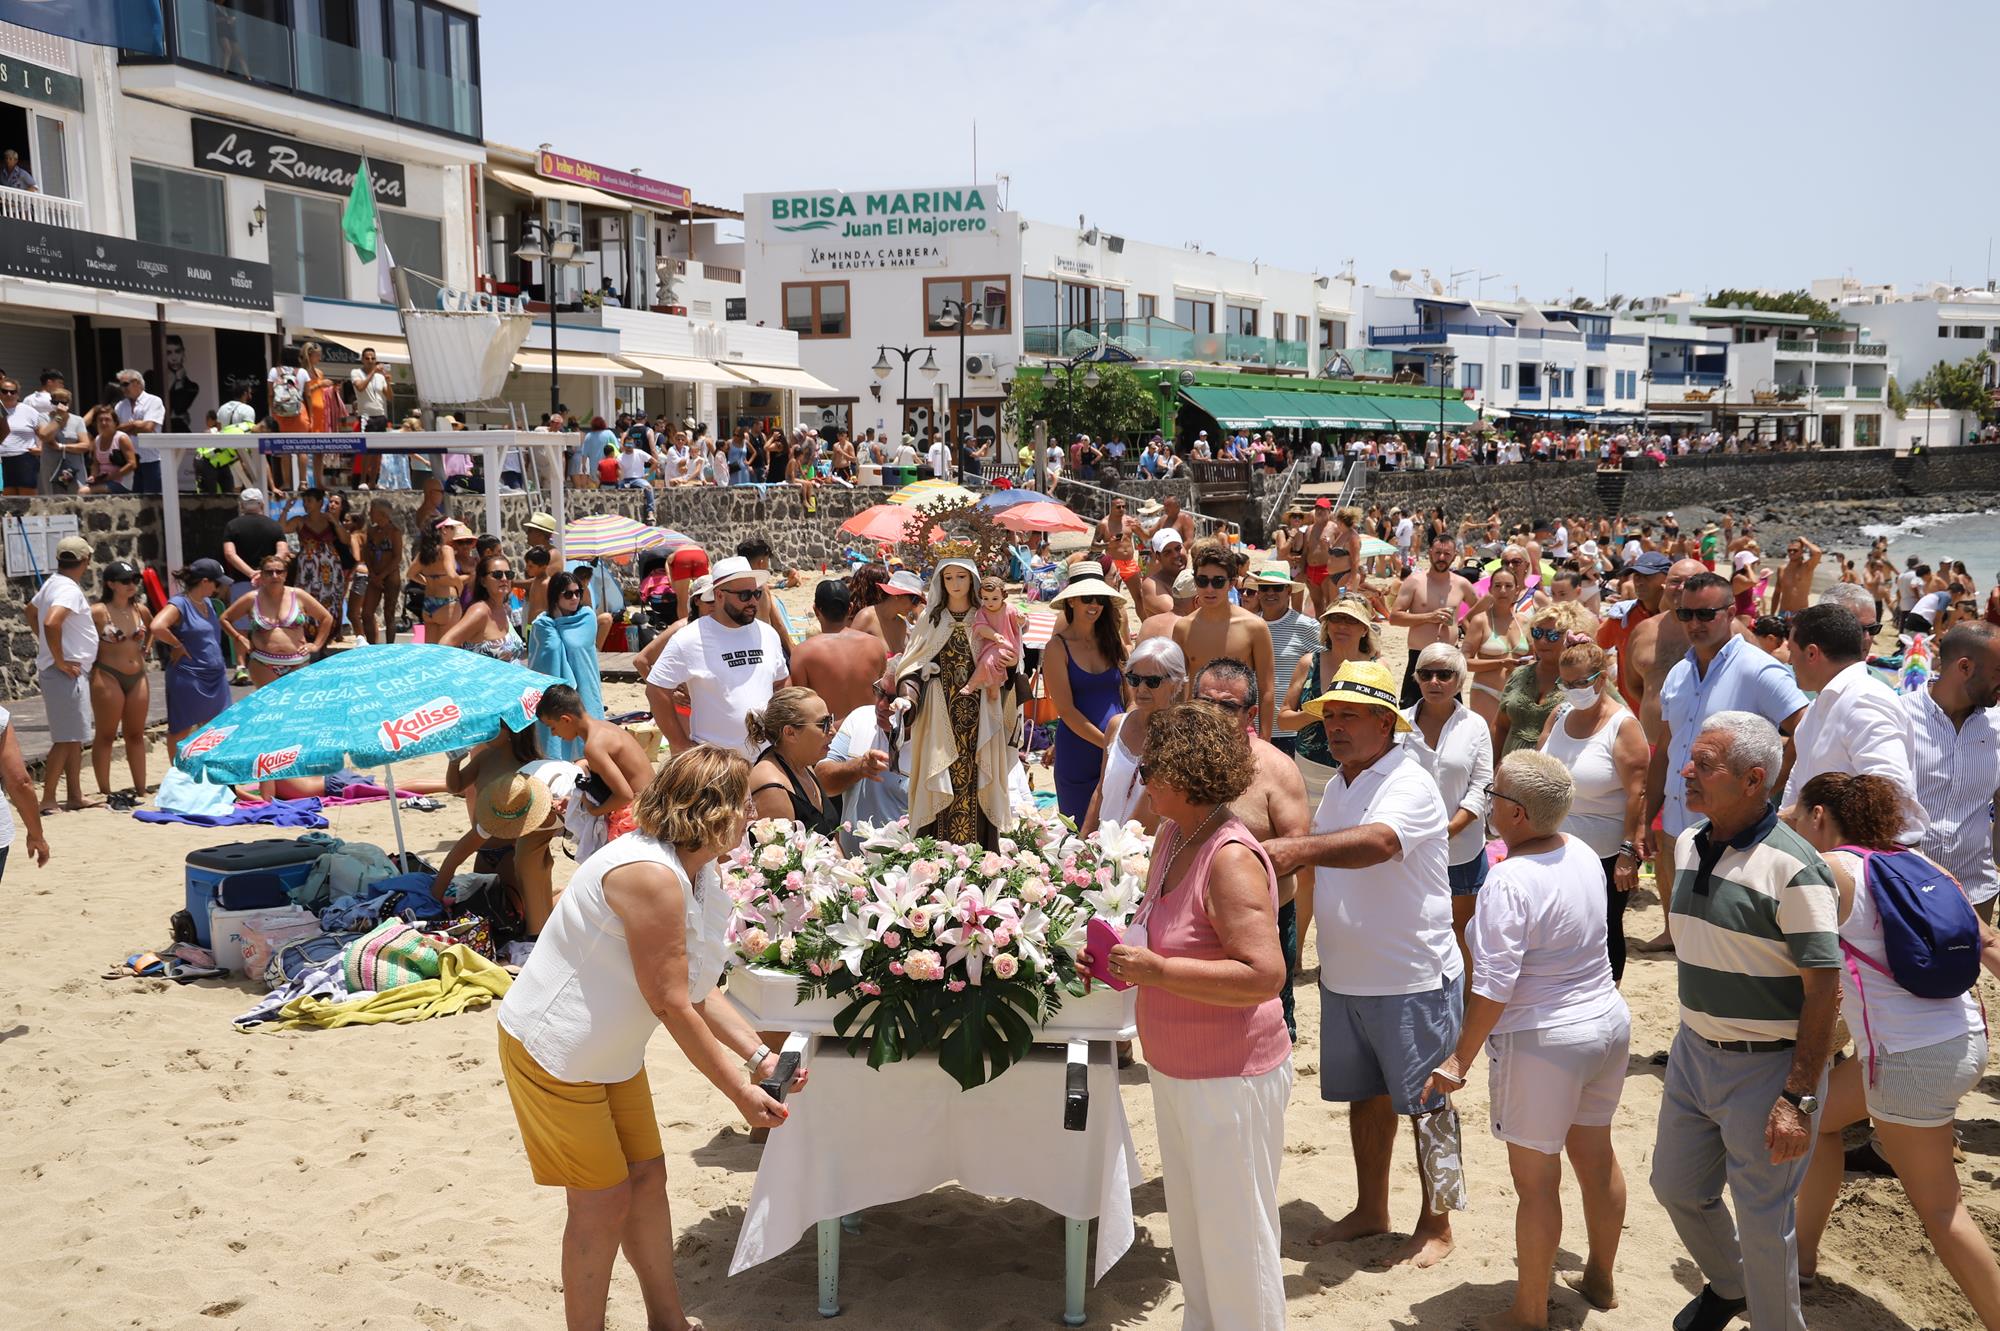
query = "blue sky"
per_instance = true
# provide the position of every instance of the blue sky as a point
(1701, 143)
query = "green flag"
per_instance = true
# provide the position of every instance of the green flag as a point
(357, 220)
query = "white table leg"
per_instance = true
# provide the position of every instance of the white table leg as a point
(829, 1268)
(1075, 1236)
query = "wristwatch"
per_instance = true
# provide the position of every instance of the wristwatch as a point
(756, 1060)
(1805, 1102)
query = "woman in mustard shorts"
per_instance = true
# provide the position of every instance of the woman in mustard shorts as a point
(636, 942)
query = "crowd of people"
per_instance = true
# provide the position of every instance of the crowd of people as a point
(1579, 698)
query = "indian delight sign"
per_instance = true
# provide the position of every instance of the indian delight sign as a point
(554, 166)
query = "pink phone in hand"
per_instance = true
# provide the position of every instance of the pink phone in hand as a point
(1100, 936)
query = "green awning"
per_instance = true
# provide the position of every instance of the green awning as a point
(1415, 413)
(1339, 411)
(1228, 406)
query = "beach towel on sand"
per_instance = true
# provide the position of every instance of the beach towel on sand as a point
(277, 813)
(566, 646)
(465, 980)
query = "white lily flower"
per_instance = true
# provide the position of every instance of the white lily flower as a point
(853, 939)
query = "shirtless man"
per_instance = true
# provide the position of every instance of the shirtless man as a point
(1793, 589)
(1427, 605)
(839, 663)
(1172, 518)
(1273, 806)
(1120, 533)
(1215, 628)
(535, 589)
(889, 618)
(1317, 541)
(614, 760)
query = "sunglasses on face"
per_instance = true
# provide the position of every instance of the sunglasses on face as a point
(1437, 676)
(824, 725)
(1226, 704)
(1685, 613)
(1137, 680)
(750, 597)
(1585, 682)
(1216, 581)
(1546, 635)
(501, 575)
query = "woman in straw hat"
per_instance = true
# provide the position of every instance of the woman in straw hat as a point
(1081, 670)
(637, 942)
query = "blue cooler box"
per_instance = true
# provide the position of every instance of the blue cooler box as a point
(288, 862)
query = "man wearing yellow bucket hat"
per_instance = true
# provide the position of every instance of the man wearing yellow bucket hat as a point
(1390, 1002)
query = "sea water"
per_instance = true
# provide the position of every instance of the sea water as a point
(1936, 537)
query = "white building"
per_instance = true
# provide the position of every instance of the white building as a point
(1790, 376)
(1934, 325)
(946, 276)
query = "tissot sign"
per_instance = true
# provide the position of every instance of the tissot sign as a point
(825, 215)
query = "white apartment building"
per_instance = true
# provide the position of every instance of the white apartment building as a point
(1789, 376)
(1934, 325)
(946, 277)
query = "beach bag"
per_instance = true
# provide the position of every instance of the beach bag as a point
(1930, 932)
(295, 958)
(1441, 1157)
(347, 869)
(391, 954)
(286, 399)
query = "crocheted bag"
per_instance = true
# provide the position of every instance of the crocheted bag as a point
(390, 954)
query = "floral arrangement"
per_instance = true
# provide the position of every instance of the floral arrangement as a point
(940, 946)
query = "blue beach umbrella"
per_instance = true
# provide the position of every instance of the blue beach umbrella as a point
(1003, 499)
(364, 708)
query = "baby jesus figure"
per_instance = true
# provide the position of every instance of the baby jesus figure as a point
(996, 637)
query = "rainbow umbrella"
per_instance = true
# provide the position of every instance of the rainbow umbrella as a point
(882, 522)
(605, 535)
(1040, 515)
(924, 492)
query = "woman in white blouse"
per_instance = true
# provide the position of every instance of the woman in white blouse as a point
(637, 941)
(1558, 1030)
(1156, 672)
(1594, 735)
(1457, 750)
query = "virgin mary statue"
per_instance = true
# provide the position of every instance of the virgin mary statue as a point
(961, 746)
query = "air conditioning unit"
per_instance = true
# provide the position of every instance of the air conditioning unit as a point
(978, 365)
(1116, 244)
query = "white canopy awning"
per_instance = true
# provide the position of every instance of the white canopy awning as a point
(537, 188)
(536, 361)
(684, 369)
(779, 376)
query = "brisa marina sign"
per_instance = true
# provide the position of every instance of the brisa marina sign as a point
(837, 215)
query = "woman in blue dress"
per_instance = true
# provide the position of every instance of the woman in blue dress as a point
(1082, 669)
(197, 676)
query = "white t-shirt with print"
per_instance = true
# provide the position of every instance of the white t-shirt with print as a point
(729, 673)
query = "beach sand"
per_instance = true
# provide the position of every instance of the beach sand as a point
(167, 1171)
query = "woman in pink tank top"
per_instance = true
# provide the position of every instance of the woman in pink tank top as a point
(1204, 952)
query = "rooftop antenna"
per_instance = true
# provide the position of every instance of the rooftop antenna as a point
(975, 150)
(1456, 274)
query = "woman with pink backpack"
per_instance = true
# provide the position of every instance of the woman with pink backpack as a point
(1911, 947)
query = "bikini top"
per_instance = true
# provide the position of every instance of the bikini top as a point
(293, 615)
(821, 818)
(112, 633)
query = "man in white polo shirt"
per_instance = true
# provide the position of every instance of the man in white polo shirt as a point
(730, 662)
(140, 414)
(1391, 1001)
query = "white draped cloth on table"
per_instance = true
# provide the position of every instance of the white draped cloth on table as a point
(861, 1137)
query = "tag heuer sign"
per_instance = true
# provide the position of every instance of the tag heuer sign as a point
(850, 258)
(882, 214)
(112, 263)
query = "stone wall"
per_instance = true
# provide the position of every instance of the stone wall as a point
(1523, 489)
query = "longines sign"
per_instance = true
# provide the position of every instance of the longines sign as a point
(261, 156)
(112, 263)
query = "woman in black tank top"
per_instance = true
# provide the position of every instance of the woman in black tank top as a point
(793, 731)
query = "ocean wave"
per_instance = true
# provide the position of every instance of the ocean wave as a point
(1913, 525)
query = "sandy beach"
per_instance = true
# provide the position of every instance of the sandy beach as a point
(167, 1171)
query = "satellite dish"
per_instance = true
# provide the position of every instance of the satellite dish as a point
(1187, 378)
(1437, 287)
(1400, 275)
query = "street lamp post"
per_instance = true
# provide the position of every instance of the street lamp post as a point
(1645, 402)
(1091, 378)
(964, 315)
(560, 253)
(929, 368)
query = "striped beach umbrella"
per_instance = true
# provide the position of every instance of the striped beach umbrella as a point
(604, 535)
(924, 492)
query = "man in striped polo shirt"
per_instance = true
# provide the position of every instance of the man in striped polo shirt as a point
(1755, 927)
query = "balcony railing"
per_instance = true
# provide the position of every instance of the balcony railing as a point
(1530, 395)
(37, 48)
(1871, 349)
(1157, 340)
(1867, 394)
(242, 45)
(1687, 378)
(1403, 335)
(27, 206)
(1836, 392)
(1797, 344)
(1599, 341)
(1593, 397)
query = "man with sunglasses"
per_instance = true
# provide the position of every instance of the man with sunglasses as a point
(1215, 628)
(1721, 672)
(730, 662)
(1293, 634)
(1427, 605)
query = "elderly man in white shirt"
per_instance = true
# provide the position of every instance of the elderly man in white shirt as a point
(1855, 725)
(140, 414)
(1957, 751)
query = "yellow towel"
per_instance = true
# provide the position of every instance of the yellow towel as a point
(465, 980)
